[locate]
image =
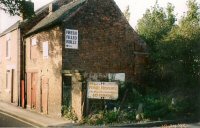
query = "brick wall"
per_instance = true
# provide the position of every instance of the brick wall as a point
(106, 40)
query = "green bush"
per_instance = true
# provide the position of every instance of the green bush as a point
(111, 116)
(108, 117)
(156, 108)
(68, 113)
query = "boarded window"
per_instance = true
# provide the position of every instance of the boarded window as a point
(0, 80)
(45, 50)
(33, 41)
(8, 46)
(33, 49)
(0, 52)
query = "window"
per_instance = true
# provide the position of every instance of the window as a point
(8, 46)
(45, 50)
(0, 81)
(0, 52)
(33, 41)
(33, 49)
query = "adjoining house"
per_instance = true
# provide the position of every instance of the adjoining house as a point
(12, 64)
(84, 40)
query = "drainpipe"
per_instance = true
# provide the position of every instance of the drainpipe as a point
(19, 65)
(25, 90)
(24, 75)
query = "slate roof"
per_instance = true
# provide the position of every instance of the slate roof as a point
(57, 16)
(17, 24)
(11, 28)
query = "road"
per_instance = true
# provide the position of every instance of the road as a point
(10, 121)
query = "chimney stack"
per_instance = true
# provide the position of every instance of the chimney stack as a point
(52, 7)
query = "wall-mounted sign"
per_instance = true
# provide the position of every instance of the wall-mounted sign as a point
(71, 39)
(102, 90)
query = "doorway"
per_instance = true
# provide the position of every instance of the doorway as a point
(44, 95)
(33, 90)
(10, 82)
(66, 94)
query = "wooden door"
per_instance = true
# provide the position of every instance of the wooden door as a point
(9, 83)
(12, 82)
(45, 84)
(33, 90)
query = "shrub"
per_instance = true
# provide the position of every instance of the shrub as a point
(68, 113)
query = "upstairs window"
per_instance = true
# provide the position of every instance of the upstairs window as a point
(33, 49)
(45, 50)
(33, 41)
(0, 52)
(8, 46)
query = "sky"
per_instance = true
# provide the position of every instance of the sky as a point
(137, 9)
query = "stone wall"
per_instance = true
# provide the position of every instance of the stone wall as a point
(48, 68)
(107, 44)
(10, 64)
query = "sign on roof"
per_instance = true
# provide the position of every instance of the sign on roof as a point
(102, 90)
(71, 39)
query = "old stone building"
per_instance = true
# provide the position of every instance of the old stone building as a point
(10, 64)
(84, 40)
(12, 54)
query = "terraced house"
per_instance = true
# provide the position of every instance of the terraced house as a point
(10, 64)
(12, 54)
(81, 41)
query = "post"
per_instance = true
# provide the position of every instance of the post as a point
(87, 101)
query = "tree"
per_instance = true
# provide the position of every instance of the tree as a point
(184, 42)
(17, 7)
(174, 48)
(127, 13)
(155, 24)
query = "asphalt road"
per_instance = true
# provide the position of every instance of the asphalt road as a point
(9, 121)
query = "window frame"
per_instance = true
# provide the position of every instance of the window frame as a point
(1, 52)
(8, 46)
(33, 44)
(45, 49)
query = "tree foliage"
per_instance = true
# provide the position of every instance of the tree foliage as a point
(11, 6)
(155, 24)
(16, 7)
(174, 48)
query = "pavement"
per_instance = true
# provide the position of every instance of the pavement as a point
(39, 120)
(34, 118)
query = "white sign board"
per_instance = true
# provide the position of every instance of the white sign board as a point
(71, 39)
(102, 90)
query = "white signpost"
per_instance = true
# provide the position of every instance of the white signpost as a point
(71, 39)
(102, 90)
